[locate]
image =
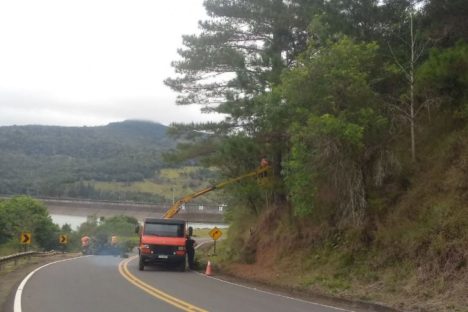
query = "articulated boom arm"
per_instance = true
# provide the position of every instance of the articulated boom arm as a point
(176, 206)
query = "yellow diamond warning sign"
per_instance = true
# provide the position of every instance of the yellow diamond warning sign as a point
(63, 239)
(25, 238)
(215, 233)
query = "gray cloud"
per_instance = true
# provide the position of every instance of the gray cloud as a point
(24, 108)
(92, 62)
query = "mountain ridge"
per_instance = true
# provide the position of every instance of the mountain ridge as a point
(51, 160)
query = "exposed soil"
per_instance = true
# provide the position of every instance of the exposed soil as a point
(268, 276)
(281, 280)
(286, 277)
(274, 280)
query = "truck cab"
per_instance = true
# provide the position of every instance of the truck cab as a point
(162, 241)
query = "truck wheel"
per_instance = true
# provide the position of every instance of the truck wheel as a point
(141, 265)
(181, 267)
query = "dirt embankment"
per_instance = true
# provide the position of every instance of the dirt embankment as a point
(358, 296)
(419, 283)
(411, 252)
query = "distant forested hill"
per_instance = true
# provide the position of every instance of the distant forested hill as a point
(54, 161)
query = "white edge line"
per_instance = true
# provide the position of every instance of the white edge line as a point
(268, 292)
(19, 291)
(276, 294)
(201, 244)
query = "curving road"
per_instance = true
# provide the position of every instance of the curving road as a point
(106, 283)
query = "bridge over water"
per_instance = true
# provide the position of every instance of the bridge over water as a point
(83, 208)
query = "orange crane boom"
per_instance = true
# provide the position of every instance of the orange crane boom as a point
(174, 209)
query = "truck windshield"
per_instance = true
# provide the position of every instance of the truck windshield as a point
(167, 230)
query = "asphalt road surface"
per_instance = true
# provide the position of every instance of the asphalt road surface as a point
(107, 283)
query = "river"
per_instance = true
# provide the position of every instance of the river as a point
(76, 221)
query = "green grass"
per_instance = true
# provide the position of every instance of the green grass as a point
(170, 182)
(201, 233)
(147, 186)
(178, 173)
(10, 248)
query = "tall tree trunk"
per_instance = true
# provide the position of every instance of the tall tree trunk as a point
(412, 113)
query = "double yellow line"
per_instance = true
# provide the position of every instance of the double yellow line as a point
(185, 306)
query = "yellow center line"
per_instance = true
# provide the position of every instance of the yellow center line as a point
(185, 306)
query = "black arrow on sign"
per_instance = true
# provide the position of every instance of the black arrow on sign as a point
(26, 238)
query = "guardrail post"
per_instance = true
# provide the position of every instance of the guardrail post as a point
(15, 258)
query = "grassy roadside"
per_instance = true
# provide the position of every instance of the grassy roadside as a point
(410, 254)
(201, 233)
(334, 270)
(275, 280)
(329, 272)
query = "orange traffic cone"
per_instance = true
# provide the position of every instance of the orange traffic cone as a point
(208, 268)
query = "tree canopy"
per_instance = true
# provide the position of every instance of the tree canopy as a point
(325, 89)
(24, 214)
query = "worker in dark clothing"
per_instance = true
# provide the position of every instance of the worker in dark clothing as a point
(264, 163)
(190, 247)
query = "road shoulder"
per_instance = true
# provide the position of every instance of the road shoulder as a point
(11, 276)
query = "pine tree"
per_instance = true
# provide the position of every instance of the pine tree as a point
(234, 65)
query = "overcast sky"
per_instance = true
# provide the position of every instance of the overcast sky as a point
(91, 62)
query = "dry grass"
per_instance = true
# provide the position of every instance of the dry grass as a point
(411, 255)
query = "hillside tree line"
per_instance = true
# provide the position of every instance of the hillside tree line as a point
(350, 101)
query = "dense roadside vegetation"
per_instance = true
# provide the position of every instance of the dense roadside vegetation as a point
(25, 214)
(362, 109)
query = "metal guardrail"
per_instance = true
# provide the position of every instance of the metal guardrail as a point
(104, 204)
(17, 256)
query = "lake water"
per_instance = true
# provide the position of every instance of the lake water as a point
(76, 221)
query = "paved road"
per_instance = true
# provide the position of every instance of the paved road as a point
(107, 283)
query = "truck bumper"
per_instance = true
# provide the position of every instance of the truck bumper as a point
(149, 259)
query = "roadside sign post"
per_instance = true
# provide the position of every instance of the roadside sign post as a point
(25, 239)
(63, 240)
(215, 234)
